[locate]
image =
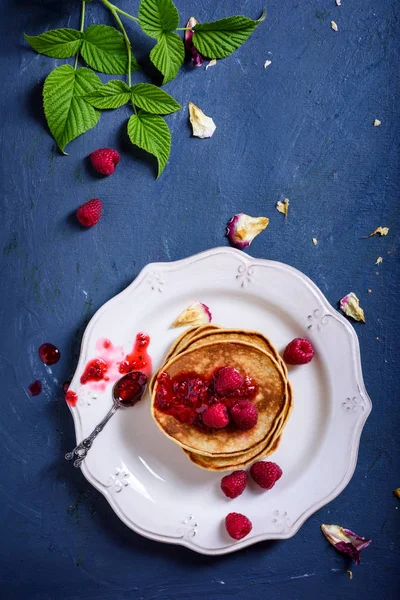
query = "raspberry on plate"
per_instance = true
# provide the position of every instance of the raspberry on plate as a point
(265, 474)
(104, 160)
(216, 416)
(299, 352)
(89, 214)
(228, 380)
(234, 484)
(238, 525)
(244, 414)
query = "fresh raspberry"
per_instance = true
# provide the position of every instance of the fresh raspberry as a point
(234, 484)
(266, 474)
(104, 160)
(228, 380)
(90, 213)
(216, 416)
(244, 414)
(298, 352)
(238, 525)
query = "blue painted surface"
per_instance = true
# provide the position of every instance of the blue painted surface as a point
(301, 129)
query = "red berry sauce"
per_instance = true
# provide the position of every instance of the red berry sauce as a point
(49, 354)
(187, 395)
(71, 398)
(95, 371)
(130, 389)
(35, 388)
(138, 359)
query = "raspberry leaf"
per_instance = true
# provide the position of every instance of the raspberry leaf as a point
(113, 94)
(168, 55)
(153, 100)
(157, 17)
(57, 43)
(219, 39)
(151, 133)
(104, 50)
(67, 113)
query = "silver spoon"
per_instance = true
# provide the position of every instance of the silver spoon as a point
(126, 392)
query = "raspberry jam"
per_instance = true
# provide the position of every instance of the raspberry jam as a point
(130, 389)
(71, 398)
(35, 388)
(95, 371)
(138, 359)
(187, 395)
(49, 354)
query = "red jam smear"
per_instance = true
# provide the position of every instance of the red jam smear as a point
(49, 354)
(187, 395)
(35, 388)
(130, 389)
(71, 398)
(139, 359)
(95, 371)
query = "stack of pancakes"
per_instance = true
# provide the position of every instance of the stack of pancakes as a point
(203, 349)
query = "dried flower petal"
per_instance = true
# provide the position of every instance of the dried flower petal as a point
(345, 541)
(203, 126)
(397, 492)
(338, 2)
(267, 63)
(334, 26)
(350, 574)
(315, 241)
(283, 207)
(377, 122)
(369, 291)
(212, 63)
(379, 260)
(380, 230)
(242, 229)
(195, 314)
(197, 58)
(350, 305)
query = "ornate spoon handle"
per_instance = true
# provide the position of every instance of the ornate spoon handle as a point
(83, 448)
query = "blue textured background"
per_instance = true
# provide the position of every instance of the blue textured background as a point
(302, 128)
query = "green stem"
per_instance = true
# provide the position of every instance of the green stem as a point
(184, 29)
(112, 7)
(81, 30)
(114, 11)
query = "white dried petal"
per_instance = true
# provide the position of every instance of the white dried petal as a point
(283, 207)
(350, 305)
(267, 63)
(377, 122)
(203, 126)
(334, 26)
(379, 260)
(315, 241)
(380, 230)
(338, 2)
(196, 313)
(212, 63)
(242, 229)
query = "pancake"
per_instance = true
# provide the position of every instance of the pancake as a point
(271, 399)
(262, 450)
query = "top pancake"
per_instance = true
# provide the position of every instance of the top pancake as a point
(249, 359)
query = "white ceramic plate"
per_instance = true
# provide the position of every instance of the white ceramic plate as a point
(147, 479)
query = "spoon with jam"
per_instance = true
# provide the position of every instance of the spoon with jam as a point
(127, 391)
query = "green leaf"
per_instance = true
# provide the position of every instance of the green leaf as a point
(104, 50)
(220, 38)
(158, 16)
(153, 100)
(113, 94)
(151, 133)
(67, 113)
(57, 43)
(168, 55)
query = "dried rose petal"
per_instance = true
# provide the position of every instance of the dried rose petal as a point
(345, 541)
(212, 63)
(379, 260)
(380, 230)
(203, 126)
(334, 26)
(315, 241)
(397, 492)
(195, 314)
(242, 229)
(377, 123)
(350, 305)
(267, 63)
(283, 207)
(197, 58)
